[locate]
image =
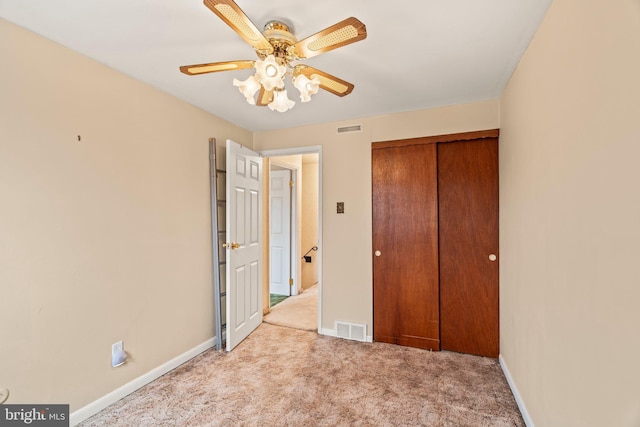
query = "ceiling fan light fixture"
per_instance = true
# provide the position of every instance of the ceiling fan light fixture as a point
(248, 88)
(306, 86)
(281, 101)
(279, 49)
(269, 73)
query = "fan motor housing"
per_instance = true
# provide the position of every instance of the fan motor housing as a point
(280, 37)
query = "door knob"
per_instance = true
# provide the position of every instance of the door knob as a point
(232, 245)
(492, 257)
(378, 253)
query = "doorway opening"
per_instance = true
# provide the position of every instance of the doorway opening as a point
(294, 238)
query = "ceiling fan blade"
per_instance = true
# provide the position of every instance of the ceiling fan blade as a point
(214, 67)
(341, 34)
(327, 82)
(264, 97)
(230, 13)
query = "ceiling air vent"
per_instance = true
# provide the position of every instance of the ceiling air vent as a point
(347, 129)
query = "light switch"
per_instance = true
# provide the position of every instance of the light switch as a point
(340, 209)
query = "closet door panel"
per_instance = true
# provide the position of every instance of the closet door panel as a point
(405, 244)
(468, 236)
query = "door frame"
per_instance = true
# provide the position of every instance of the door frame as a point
(293, 246)
(313, 149)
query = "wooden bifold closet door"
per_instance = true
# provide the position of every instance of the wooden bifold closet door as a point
(435, 242)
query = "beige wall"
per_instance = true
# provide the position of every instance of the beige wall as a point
(346, 174)
(309, 219)
(101, 240)
(570, 217)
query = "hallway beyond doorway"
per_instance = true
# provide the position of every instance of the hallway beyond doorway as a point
(298, 312)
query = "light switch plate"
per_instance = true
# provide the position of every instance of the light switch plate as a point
(340, 208)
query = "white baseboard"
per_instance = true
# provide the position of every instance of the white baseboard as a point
(328, 332)
(98, 405)
(523, 409)
(333, 333)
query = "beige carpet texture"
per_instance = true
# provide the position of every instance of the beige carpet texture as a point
(299, 311)
(286, 377)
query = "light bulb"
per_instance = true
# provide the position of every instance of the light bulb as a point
(271, 70)
(269, 73)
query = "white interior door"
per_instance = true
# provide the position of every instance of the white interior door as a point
(280, 232)
(243, 247)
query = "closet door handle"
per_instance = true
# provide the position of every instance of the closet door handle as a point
(492, 257)
(377, 253)
(232, 245)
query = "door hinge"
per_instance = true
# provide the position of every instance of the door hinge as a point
(291, 183)
(290, 282)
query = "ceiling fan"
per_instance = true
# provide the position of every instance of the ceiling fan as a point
(278, 50)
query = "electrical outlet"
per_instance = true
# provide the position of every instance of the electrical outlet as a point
(118, 356)
(4, 395)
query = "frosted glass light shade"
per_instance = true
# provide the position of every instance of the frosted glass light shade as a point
(269, 73)
(281, 102)
(248, 88)
(306, 86)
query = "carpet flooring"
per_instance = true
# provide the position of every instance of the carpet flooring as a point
(286, 377)
(299, 311)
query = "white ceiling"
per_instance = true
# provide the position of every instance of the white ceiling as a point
(418, 53)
